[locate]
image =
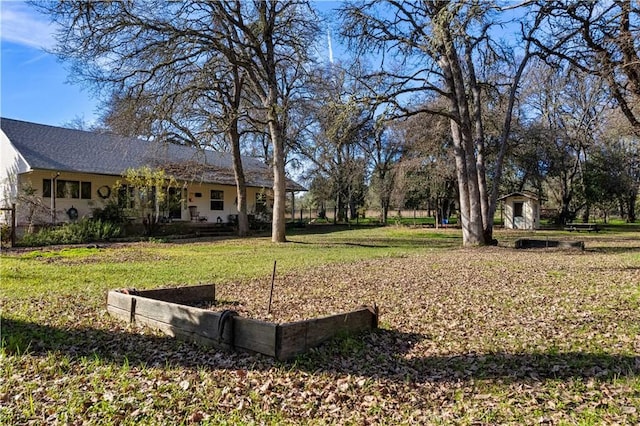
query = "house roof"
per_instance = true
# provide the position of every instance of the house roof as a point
(526, 194)
(70, 150)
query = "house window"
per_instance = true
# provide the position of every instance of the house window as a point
(67, 189)
(517, 209)
(85, 190)
(46, 188)
(217, 199)
(126, 197)
(261, 202)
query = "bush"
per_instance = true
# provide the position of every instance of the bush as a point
(5, 234)
(83, 231)
(111, 212)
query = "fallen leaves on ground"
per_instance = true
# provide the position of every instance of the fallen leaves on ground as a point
(468, 336)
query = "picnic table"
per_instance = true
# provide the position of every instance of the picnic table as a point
(581, 227)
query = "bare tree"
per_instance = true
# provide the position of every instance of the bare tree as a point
(613, 168)
(338, 141)
(613, 174)
(204, 110)
(270, 41)
(384, 151)
(567, 111)
(426, 169)
(440, 49)
(600, 39)
(139, 48)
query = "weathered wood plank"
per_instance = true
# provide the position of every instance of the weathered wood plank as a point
(119, 300)
(190, 294)
(291, 339)
(297, 337)
(189, 319)
(182, 334)
(159, 313)
(254, 335)
(123, 314)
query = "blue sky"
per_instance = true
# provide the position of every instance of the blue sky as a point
(34, 84)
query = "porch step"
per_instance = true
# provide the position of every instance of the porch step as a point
(213, 231)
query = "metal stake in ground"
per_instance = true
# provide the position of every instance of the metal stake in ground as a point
(273, 278)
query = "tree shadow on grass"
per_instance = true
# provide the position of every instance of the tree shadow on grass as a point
(404, 243)
(388, 354)
(382, 354)
(614, 249)
(336, 244)
(328, 228)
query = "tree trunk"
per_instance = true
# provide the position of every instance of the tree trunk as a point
(384, 207)
(476, 228)
(478, 143)
(586, 214)
(466, 170)
(566, 215)
(470, 206)
(461, 173)
(353, 209)
(464, 149)
(278, 230)
(631, 208)
(340, 210)
(241, 187)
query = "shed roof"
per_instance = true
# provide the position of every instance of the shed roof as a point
(525, 194)
(70, 150)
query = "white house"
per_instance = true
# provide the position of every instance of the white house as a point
(71, 172)
(521, 210)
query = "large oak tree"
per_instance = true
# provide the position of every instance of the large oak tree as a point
(445, 49)
(128, 46)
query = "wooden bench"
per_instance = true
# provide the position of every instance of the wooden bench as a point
(581, 227)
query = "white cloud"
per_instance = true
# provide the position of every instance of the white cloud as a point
(21, 23)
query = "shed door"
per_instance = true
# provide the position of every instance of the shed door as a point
(518, 216)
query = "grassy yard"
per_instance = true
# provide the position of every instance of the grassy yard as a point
(468, 336)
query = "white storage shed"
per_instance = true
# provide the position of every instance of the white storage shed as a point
(521, 210)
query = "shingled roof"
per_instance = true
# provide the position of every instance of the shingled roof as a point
(70, 150)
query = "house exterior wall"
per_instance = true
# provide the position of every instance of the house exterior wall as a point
(530, 218)
(39, 180)
(11, 165)
(199, 196)
(36, 180)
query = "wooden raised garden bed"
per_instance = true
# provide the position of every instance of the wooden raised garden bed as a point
(525, 243)
(168, 310)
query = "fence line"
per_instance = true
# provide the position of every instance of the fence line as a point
(306, 215)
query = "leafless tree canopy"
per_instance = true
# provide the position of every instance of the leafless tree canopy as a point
(444, 49)
(177, 64)
(599, 38)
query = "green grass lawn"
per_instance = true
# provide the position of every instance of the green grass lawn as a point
(468, 336)
(147, 265)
